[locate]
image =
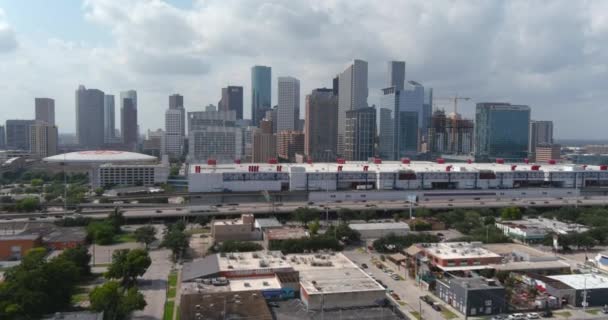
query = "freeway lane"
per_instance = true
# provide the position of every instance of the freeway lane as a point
(288, 207)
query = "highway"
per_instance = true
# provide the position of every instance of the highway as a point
(172, 211)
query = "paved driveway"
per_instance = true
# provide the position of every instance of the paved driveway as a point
(153, 284)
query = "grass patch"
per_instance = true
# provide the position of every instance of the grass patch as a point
(168, 314)
(177, 313)
(79, 297)
(102, 265)
(448, 314)
(124, 237)
(415, 314)
(563, 314)
(593, 311)
(172, 280)
(171, 293)
(196, 230)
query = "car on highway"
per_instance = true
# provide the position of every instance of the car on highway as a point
(159, 211)
(450, 205)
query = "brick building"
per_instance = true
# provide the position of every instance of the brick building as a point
(13, 247)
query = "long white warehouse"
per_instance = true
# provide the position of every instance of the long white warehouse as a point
(394, 175)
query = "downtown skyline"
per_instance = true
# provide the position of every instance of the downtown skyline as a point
(316, 44)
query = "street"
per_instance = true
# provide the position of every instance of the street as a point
(153, 284)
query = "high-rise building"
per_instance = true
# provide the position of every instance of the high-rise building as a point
(18, 134)
(272, 115)
(43, 139)
(321, 126)
(288, 112)
(232, 99)
(128, 118)
(501, 131)
(451, 134)
(360, 134)
(210, 107)
(153, 143)
(214, 135)
(353, 91)
(176, 101)
(260, 92)
(396, 141)
(90, 117)
(541, 132)
(547, 152)
(264, 146)
(45, 110)
(173, 143)
(290, 143)
(396, 74)
(2, 138)
(109, 118)
(427, 112)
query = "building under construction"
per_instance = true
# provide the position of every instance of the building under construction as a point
(450, 134)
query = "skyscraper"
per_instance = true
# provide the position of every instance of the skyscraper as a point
(352, 95)
(176, 101)
(45, 110)
(43, 139)
(214, 135)
(109, 116)
(501, 131)
(288, 112)
(541, 133)
(2, 138)
(321, 126)
(232, 99)
(18, 134)
(128, 118)
(90, 117)
(396, 74)
(450, 134)
(260, 92)
(175, 127)
(360, 134)
(397, 136)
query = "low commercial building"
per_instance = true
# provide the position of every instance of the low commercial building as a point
(520, 258)
(273, 237)
(534, 230)
(325, 281)
(13, 247)
(50, 235)
(226, 305)
(547, 152)
(473, 296)
(241, 229)
(77, 315)
(570, 288)
(267, 223)
(378, 230)
(457, 256)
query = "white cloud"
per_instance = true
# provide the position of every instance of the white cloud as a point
(8, 39)
(550, 55)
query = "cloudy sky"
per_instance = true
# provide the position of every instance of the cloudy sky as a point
(551, 55)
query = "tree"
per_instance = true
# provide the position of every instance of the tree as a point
(145, 235)
(116, 302)
(176, 240)
(36, 182)
(116, 219)
(99, 191)
(367, 215)
(101, 232)
(80, 257)
(346, 214)
(510, 213)
(237, 246)
(305, 215)
(127, 265)
(203, 220)
(28, 204)
(314, 227)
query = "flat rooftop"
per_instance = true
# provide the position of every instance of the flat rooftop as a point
(476, 283)
(225, 305)
(267, 223)
(380, 226)
(546, 224)
(580, 281)
(234, 285)
(459, 250)
(517, 248)
(252, 260)
(391, 166)
(285, 233)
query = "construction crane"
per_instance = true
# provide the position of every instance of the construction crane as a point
(454, 100)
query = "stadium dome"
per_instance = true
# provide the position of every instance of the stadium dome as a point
(100, 157)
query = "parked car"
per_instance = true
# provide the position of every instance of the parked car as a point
(395, 277)
(364, 266)
(395, 296)
(547, 314)
(427, 299)
(517, 316)
(532, 315)
(499, 317)
(436, 306)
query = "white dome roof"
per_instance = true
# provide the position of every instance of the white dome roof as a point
(100, 156)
